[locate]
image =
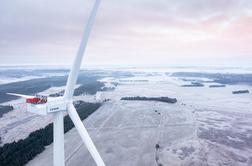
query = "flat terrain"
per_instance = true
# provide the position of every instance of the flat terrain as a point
(207, 126)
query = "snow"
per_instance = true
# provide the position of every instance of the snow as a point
(207, 126)
(7, 80)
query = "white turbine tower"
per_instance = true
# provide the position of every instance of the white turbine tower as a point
(57, 106)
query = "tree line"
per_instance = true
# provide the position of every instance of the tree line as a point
(160, 99)
(5, 109)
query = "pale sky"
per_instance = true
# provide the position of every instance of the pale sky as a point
(128, 32)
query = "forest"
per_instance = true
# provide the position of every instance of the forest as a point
(87, 88)
(240, 92)
(221, 78)
(194, 84)
(89, 83)
(4, 109)
(160, 99)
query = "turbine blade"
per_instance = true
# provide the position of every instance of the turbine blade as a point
(78, 59)
(20, 95)
(84, 135)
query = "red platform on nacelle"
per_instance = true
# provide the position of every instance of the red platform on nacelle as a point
(35, 101)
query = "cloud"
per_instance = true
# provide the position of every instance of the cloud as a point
(46, 31)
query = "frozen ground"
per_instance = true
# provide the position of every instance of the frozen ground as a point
(17, 74)
(208, 126)
(6, 80)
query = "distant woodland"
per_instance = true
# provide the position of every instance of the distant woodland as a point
(160, 99)
(5, 109)
(217, 86)
(221, 78)
(89, 84)
(194, 84)
(240, 92)
(88, 88)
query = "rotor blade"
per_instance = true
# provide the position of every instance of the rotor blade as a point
(84, 135)
(19, 95)
(78, 59)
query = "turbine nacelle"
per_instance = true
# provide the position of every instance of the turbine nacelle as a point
(51, 106)
(43, 105)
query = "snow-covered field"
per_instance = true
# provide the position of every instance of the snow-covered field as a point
(7, 80)
(15, 74)
(207, 126)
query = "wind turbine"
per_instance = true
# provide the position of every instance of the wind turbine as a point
(57, 106)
